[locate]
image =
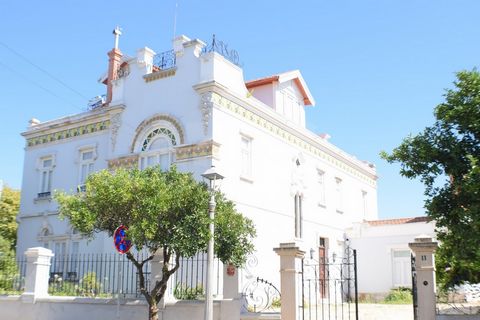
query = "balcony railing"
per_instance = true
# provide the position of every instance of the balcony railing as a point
(43, 195)
(165, 60)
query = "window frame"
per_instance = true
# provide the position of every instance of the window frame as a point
(339, 195)
(246, 162)
(45, 176)
(322, 199)
(89, 163)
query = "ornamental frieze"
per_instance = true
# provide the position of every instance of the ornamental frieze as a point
(285, 135)
(204, 149)
(69, 133)
(130, 161)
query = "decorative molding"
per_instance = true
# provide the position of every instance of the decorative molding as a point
(286, 136)
(69, 133)
(160, 74)
(115, 123)
(206, 105)
(145, 123)
(130, 161)
(203, 149)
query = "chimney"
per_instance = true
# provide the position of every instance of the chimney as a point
(114, 61)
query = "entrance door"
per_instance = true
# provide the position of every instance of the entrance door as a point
(322, 259)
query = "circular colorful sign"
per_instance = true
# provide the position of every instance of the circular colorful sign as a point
(121, 240)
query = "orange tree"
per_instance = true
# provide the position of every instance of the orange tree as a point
(165, 211)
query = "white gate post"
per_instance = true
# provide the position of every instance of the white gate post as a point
(37, 273)
(290, 279)
(423, 248)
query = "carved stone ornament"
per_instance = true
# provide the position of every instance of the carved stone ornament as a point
(206, 105)
(115, 123)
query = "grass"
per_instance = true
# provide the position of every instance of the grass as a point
(399, 296)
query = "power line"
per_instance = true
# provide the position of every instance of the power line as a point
(18, 74)
(42, 70)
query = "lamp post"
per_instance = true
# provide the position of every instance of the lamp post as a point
(213, 176)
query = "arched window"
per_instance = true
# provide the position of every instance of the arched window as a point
(157, 149)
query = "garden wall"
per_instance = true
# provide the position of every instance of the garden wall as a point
(76, 308)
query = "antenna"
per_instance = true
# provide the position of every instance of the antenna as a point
(175, 20)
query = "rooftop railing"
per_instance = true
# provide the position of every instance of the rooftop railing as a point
(222, 48)
(164, 60)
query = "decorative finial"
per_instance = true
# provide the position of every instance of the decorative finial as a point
(117, 32)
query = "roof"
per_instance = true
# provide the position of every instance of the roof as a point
(294, 75)
(398, 221)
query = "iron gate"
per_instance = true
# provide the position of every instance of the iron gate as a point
(414, 287)
(329, 287)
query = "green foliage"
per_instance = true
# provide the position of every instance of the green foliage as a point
(165, 211)
(89, 285)
(399, 296)
(9, 206)
(184, 292)
(277, 303)
(445, 156)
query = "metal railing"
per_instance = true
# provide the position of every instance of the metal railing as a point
(12, 274)
(96, 275)
(164, 60)
(109, 275)
(190, 280)
(222, 48)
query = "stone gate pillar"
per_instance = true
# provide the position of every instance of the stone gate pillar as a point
(290, 279)
(37, 273)
(423, 249)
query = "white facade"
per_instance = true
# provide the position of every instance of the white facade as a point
(383, 252)
(196, 113)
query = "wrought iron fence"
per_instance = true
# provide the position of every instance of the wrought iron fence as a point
(190, 280)
(164, 60)
(12, 274)
(261, 295)
(106, 275)
(102, 275)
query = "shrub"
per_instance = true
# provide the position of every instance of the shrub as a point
(184, 292)
(399, 296)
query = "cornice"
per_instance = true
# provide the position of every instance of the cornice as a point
(72, 126)
(257, 113)
(72, 121)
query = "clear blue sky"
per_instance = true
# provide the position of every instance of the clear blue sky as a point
(376, 68)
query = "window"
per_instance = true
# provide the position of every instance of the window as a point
(87, 160)
(157, 149)
(364, 203)
(401, 268)
(321, 187)
(46, 173)
(246, 156)
(339, 195)
(298, 216)
(59, 262)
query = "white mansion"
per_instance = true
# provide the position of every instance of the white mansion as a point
(192, 107)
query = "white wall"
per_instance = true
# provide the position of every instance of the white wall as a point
(73, 308)
(375, 246)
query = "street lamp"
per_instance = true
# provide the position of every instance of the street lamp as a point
(213, 176)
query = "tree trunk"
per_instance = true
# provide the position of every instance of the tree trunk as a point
(152, 310)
